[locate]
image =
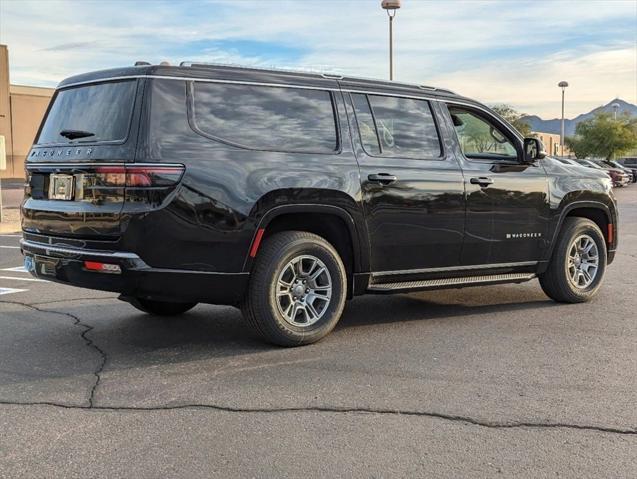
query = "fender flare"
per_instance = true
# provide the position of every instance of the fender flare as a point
(360, 242)
(610, 217)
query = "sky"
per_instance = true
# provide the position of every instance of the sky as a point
(512, 52)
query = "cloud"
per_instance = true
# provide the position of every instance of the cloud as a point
(68, 46)
(497, 51)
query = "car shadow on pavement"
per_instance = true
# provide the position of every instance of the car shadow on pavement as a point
(428, 306)
(130, 339)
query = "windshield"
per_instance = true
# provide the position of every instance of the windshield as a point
(90, 114)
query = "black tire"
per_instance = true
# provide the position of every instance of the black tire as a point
(161, 308)
(556, 281)
(260, 306)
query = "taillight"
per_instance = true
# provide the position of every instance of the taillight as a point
(143, 183)
(139, 176)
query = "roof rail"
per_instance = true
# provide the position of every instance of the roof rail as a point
(309, 70)
(433, 88)
(312, 71)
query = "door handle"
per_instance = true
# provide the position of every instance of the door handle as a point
(383, 178)
(482, 181)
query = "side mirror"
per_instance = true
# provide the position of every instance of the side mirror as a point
(533, 150)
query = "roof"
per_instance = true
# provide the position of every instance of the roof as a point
(261, 75)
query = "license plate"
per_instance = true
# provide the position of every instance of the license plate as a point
(61, 187)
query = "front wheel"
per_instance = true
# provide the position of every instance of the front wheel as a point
(297, 289)
(578, 264)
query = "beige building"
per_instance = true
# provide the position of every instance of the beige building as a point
(21, 111)
(551, 143)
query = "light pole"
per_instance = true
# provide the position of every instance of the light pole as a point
(390, 6)
(615, 108)
(563, 86)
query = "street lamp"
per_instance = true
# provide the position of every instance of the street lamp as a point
(615, 108)
(563, 86)
(390, 6)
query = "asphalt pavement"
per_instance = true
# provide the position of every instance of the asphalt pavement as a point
(492, 381)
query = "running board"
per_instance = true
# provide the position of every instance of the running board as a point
(450, 282)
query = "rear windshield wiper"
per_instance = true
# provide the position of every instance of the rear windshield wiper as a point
(74, 134)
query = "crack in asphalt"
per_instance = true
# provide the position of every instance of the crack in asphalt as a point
(91, 406)
(96, 298)
(337, 410)
(89, 342)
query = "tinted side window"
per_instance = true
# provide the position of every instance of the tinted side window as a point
(101, 111)
(479, 139)
(266, 118)
(366, 126)
(406, 127)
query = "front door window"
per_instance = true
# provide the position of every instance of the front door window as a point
(479, 139)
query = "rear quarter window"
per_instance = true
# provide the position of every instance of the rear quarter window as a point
(264, 117)
(104, 110)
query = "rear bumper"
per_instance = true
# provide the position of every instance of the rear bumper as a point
(136, 279)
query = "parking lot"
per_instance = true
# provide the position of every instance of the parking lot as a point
(462, 383)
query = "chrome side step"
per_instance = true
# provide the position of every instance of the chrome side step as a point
(450, 282)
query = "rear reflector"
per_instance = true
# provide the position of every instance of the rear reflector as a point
(611, 233)
(257, 241)
(102, 267)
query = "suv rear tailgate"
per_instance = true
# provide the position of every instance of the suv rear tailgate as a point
(88, 130)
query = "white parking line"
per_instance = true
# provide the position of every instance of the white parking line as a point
(23, 279)
(11, 290)
(10, 236)
(17, 269)
(10, 247)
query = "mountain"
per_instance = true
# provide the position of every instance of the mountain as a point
(553, 126)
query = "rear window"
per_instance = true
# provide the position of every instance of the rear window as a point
(266, 118)
(90, 114)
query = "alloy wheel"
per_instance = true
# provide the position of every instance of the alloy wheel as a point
(303, 290)
(583, 261)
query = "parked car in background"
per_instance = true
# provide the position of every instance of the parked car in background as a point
(632, 171)
(629, 162)
(620, 176)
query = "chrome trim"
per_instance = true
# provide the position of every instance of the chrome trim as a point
(206, 80)
(445, 99)
(45, 164)
(436, 283)
(73, 251)
(449, 269)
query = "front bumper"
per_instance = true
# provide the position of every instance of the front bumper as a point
(136, 279)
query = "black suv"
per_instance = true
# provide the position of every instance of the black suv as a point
(287, 193)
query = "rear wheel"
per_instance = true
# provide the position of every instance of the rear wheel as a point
(297, 289)
(578, 264)
(161, 308)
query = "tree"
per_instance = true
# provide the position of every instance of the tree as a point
(511, 115)
(603, 136)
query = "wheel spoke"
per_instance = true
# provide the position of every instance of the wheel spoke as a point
(582, 262)
(288, 311)
(313, 315)
(303, 290)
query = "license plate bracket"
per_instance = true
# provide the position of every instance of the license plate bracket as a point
(61, 187)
